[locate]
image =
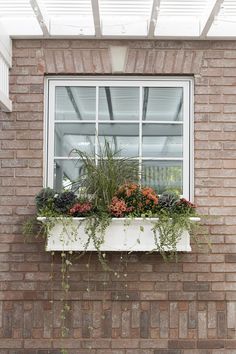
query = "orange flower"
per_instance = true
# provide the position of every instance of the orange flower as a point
(134, 186)
(147, 191)
(128, 193)
(118, 207)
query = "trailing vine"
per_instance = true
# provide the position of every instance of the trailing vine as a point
(167, 232)
(108, 189)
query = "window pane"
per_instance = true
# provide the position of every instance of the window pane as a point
(122, 137)
(66, 172)
(163, 103)
(75, 103)
(74, 136)
(162, 140)
(163, 175)
(118, 103)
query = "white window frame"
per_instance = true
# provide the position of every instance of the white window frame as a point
(100, 81)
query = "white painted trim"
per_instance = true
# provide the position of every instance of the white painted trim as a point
(113, 78)
(185, 82)
(50, 133)
(119, 81)
(133, 158)
(96, 124)
(5, 64)
(118, 56)
(45, 129)
(71, 121)
(5, 46)
(186, 139)
(191, 134)
(158, 37)
(5, 102)
(140, 150)
(123, 234)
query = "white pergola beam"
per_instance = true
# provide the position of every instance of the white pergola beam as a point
(209, 16)
(96, 18)
(153, 18)
(41, 16)
(5, 46)
(5, 64)
(5, 102)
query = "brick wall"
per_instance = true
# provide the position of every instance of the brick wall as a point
(148, 307)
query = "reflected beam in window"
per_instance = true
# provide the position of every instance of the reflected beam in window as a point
(110, 110)
(145, 102)
(179, 107)
(74, 104)
(109, 102)
(58, 141)
(59, 178)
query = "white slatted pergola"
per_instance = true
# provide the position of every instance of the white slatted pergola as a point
(121, 19)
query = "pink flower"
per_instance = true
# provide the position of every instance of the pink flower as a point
(80, 209)
(118, 207)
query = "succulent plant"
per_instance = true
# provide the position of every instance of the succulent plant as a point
(185, 207)
(64, 201)
(44, 198)
(168, 200)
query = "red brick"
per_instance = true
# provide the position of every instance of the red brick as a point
(196, 268)
(210, 344)
(157, 305)
(125, 343)
(181, 344)
(11, 343)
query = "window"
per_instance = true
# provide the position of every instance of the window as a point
(148, 119)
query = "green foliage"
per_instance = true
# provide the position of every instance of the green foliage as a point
(45, 199)
(184, 207)
(64, 201)
(33, 228)
(109, 188)
(169, 228)
(95, 228)
(102, 179)
(168, 200)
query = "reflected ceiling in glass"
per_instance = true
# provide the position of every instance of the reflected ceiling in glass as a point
(118, 103)
(163, 103)
(74, 136)
(124, 138)
(142, 122)
(159, 104)
(162, 140)
(75, 103)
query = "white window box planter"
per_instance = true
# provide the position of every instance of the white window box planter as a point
(121, 235)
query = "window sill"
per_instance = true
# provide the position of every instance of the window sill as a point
(128, 235)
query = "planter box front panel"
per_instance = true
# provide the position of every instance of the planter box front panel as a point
(121, 235)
